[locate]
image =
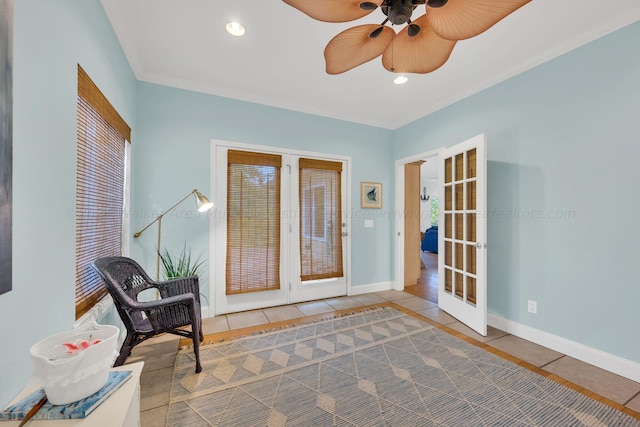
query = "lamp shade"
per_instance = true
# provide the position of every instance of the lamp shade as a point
(202, 203)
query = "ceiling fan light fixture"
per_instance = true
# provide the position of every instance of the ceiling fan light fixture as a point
(400, 80)
(413, 30)
(235, 29)
(436, 3)
(375, 33)
(367, 5)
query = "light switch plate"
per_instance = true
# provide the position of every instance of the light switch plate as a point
(368, 223)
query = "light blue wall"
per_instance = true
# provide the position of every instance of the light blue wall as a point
(51, 38)
(171, 156)
(561, 137)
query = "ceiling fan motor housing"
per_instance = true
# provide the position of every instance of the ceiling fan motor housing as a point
(399, 12)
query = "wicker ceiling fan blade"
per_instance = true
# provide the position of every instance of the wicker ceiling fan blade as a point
(421, 53)
(463, 19)
(356, 46)
(335, 10)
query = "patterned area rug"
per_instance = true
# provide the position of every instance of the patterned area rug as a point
(376, 368)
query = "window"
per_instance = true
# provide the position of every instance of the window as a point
(321, 211)
(313, 207)
(100, 188)
(253, 222)
(435, 210)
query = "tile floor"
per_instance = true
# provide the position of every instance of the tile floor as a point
(159, 353)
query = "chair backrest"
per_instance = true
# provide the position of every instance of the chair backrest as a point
(124, 279)
(123, 275)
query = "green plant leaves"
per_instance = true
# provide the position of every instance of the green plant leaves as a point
(181, 265)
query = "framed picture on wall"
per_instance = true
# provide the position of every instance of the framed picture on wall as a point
(371, 195)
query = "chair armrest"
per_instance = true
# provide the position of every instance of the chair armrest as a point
(172, 312)
(131, 304)
(185, 299)
(179, 286)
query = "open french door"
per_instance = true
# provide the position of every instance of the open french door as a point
(280, 228)
(462, 260)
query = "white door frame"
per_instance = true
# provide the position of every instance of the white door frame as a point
(285, 265)
(398, 284)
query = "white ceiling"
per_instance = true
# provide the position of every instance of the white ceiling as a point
(279, 62)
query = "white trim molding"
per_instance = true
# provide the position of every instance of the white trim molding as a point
(610, 362)
(371, 287)
(96, 312)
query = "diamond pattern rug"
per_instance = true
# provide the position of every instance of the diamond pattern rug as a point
(376, 368)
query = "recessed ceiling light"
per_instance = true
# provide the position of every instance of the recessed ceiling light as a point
(235, 29)
(400, 80)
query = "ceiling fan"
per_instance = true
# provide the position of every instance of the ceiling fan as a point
(422, 46)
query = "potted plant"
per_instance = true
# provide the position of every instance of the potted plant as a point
(181, 265)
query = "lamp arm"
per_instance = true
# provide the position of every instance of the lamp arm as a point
(159, 217)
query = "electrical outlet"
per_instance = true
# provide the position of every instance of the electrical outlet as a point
(532, 307)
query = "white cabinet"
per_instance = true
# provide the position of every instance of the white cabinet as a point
(122, 408)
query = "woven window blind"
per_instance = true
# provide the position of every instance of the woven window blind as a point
(253, 222)
(99, 188)
(320, 219)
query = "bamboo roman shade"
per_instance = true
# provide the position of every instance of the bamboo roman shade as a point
(253, 222)
(88, 90)
(320, 219)
(99, 189)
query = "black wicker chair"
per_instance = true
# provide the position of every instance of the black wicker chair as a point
(178, 306)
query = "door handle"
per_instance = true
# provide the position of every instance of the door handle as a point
(479, 245)
(345, 234)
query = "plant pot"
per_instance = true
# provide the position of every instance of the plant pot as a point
(68, 377)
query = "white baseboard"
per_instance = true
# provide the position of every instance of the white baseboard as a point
(204, 312)
(372, 287)
(610, 362)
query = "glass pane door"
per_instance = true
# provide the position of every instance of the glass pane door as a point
(462, 291)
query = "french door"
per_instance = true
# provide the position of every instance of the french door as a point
(280, 229)
(462, 260)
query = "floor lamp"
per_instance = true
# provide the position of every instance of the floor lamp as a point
(202, 203)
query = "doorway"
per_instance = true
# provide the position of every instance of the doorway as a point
(421, 228)
(280, 229)
(462, 240)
